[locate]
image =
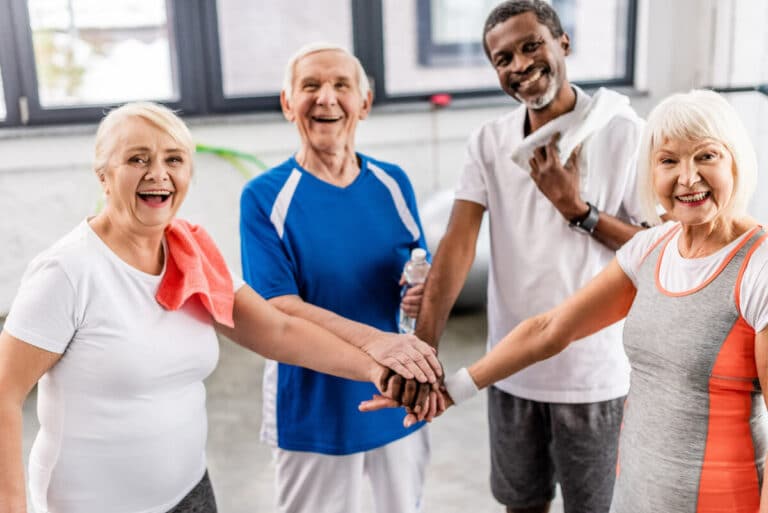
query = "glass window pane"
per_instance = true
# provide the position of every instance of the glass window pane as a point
(257, 37)
(435, 45)
(740, 44)
(86, 54)
(2, 97)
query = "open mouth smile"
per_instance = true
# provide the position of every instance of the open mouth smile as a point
(533, 76)
(155, 198)
(326, 119)
(695, 198)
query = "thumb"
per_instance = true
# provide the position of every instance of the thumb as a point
(573, 160)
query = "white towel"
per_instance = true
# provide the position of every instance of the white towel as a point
(574, 127)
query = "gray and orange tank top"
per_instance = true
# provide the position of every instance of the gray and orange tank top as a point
(694, 433)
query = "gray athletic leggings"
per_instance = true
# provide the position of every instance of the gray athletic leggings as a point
(199, 500)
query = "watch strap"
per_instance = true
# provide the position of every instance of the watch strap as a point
(587, 222)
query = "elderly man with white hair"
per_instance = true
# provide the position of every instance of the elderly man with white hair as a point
(325, 236)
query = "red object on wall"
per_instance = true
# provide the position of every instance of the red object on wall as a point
(440, 99)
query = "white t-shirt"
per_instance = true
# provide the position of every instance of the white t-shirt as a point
(122, 413)
(537, 260)
(679, 274)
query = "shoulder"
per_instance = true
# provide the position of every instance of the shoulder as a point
(499, 127)
(498, 136)
(70, 255)
(649, 237)
(758, 260)
(268, 184)
(637, 248)
(382, 168)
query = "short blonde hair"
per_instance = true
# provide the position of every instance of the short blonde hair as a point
(160, 116)
(698, 114)
(319, 46)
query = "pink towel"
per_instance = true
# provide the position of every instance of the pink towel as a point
(195, 266)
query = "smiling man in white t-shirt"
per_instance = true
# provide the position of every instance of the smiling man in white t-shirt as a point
(556, 176)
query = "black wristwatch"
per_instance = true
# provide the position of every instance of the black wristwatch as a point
(588, 221)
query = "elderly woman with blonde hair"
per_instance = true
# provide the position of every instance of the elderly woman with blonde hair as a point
(116, 323)
(694, 292)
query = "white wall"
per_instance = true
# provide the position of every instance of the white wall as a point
(47, 187)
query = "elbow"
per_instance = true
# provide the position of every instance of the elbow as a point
(551, 340)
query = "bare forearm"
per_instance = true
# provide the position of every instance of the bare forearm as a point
(353, 332)
(404, 354)
(325, 354)
(449, 271)
(12, 491)
(447, 276)
(262, 328)
(603, 301)
(612, 232)
(531, 341)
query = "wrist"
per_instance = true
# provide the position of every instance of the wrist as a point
(587, 222)
(461, 386)
(576, 212)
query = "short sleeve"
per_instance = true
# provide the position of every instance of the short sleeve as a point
(43, 312)
(631, 254)
(267, 267)
(754, 289)
(472, 183)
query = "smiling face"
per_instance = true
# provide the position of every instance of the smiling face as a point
(529, 61)
(147, 175)
(326, 103)
(693, 179)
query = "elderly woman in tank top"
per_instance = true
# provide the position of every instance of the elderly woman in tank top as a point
(121, 398)
(694, 292)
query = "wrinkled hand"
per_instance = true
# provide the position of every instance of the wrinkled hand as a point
(407, 355)
(422, 401)
(559, 183)
(411, 300)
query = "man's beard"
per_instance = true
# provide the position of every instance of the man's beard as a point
(545, 99)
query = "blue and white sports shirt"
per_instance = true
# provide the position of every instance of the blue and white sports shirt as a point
(342, 249)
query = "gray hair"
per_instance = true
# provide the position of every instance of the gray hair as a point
(320, 46)
(160, 116)
(698, 114)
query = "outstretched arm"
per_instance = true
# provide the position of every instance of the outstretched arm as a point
(405, 354)
(262, 328)
(450, 266)
(605, 300)
(21, 366)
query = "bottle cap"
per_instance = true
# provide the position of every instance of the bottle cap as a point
(418, 254)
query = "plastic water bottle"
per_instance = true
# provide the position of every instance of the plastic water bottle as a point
(415, 271)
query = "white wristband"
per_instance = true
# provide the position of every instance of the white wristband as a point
(460, 386)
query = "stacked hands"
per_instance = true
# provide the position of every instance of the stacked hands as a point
(411, 376)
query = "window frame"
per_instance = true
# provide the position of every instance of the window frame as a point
(198, 65)
(10, 71)
(424, 9)
(182, 18)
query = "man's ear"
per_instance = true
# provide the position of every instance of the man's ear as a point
(286, 106)
(367, 103)
(565, 43)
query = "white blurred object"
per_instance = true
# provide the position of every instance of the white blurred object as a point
(435, 212)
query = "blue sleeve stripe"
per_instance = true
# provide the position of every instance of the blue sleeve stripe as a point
(283, 201)
(397, 197)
